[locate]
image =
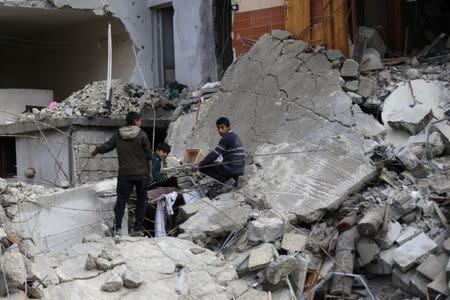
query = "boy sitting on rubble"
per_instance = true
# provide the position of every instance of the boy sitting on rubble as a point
(232, 152)
(158, 159)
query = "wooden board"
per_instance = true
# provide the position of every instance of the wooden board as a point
(298, 18)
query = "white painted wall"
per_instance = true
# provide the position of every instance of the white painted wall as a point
(14, 101)
(61, 220)
(195, 60)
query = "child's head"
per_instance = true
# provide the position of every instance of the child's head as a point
(223, 125)
(163, 150)
(134, 118)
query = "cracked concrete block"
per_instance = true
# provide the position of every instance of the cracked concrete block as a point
(387, 239)
(357, 99)
(411, 252)
(371, 60)
(367, 249)
(446, 245)
(13, 268)
(441, 185)
(409, 233)
(413, 122)
(74, 268)
(113, 284)
(366, 86)
(386, 258)
(131, 279)
(366, 124)
(293, 242)
(439, 286)
(400, 105)
(402, 203)
(261, 256)
(318, 64)
(334, 54)
(411, 162)
(280, 268)
(401, 279)
(350, 68)
(418, 285)
(351, 85)
(265, 229)
(216, 221)
(281, 34)
(430, 267)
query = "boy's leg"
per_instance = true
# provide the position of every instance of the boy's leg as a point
(141, 202)
(216, 171)
(124, 189)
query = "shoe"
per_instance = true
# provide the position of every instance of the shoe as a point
(136, 233)
(227, 186)
(112, 232)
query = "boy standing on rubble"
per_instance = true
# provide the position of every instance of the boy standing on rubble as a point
(232, 152)
(134, 154)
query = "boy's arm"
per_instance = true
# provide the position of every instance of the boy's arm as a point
(106, 147)
(148, 154)
(220, 149)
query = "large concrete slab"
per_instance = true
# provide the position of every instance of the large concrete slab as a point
(299, 108)
(410, 253)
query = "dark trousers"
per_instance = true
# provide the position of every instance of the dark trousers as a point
(125, 185)
(217, 172)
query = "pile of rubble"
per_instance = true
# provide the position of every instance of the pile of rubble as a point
(90, 102)
(298, 108)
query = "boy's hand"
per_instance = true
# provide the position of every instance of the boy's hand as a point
(94, 153)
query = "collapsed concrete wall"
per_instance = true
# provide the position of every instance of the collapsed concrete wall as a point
(283, 98)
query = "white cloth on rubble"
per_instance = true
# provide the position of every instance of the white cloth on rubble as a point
(164, 204)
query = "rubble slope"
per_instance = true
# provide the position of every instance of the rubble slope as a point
(283, 98)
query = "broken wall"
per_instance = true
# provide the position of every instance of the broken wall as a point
(282, 98)
(195, 60)
(15, 100)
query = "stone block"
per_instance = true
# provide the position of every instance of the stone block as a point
(351, 85)
(113, 284)
(366, 86)
(418, 285)
(293, 242)
(371, 60)
(430, 267)
(387, 239)
(386, 260)
(266, 229)
(280, 34)
(261, 256)
(280, 268)
(367, 249)
(411, 252)
(401, 279)
(350, 68)
(334, 54)
(188, 210)
(446, 245)
(409, 233)
(131, 279)
(439, 285)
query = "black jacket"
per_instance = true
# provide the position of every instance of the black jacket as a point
(133, 150)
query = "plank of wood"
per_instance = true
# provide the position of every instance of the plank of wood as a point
(298, 18)
(340, 27)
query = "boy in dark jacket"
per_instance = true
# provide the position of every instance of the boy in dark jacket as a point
(232, 152)
(134, 154)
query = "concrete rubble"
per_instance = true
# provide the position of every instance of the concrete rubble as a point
(370, 197)
(90, 102)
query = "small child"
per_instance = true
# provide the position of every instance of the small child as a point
(158, 158)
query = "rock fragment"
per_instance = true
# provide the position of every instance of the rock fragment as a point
(366, 86)
(412, 251)
(265, 229)
(261, 256)
(90, 262)
(102, 264)
(350, 69)
(113, 284)
(281, 267)
(131, 279)
(293, 242)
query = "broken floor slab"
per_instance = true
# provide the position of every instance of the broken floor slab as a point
(156, 261)
(412, 251)
(226, 214)
(327, 149)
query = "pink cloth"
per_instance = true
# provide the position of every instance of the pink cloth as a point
(52, 105)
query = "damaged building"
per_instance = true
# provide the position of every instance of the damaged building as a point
(342, 108)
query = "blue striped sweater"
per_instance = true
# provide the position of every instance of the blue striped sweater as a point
(232, 151)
